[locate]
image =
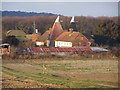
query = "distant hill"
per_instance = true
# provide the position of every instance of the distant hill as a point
(22, 14)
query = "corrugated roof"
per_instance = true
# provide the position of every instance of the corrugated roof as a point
(22, 39)
(99, 49)
(17, 33)
(71, 49)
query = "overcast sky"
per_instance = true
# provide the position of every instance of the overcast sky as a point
(65, 8)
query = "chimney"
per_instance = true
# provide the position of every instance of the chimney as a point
(36, 30)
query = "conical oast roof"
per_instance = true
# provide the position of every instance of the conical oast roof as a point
(72, 20)
(56, 29)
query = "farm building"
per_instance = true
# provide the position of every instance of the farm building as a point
(48, 38)
(19, 34)
(71, 38)
(44, 39)
(56, 41)
(57, 37)
(22, 36)
(34, 37)
(4, 49)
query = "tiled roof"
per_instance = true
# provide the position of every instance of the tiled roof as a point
(53, 33)
(35, 37)
(74, 37)
(57, 33)
(44, 36)
(29, 36)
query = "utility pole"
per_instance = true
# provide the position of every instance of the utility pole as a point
(34, 26)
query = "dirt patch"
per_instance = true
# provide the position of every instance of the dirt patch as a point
(12, 82)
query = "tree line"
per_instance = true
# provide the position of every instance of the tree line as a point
(105, 30)
(23, 14)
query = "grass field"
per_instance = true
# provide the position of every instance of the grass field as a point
(60, 73)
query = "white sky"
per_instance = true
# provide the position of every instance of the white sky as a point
(65, 8)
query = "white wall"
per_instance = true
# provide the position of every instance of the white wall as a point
(63, 44)
(39, 43)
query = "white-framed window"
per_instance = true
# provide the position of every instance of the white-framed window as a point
(63, 44)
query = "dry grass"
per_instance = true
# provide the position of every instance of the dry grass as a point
(62, 72)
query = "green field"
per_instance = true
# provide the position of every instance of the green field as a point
(60, 73)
